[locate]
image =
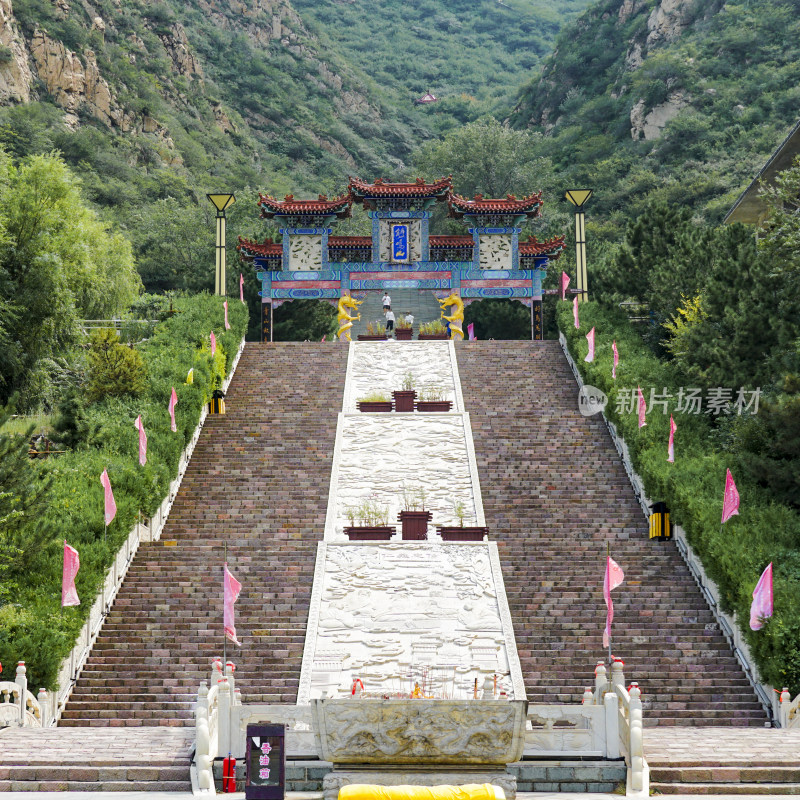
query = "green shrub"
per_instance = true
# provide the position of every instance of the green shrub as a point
(114, 369)
(734, 554)
(33, 628)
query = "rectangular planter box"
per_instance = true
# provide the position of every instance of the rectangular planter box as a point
(415, 524)
(423, 336)
(403, 334)
(404, 400)
(434, 405)
(364, 534)
(363, 337)
(456, 533)
(371, 406)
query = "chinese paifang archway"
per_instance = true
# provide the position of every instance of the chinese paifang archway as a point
(489, 261)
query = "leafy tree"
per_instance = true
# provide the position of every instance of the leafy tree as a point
(71, 427)
(23, 499)
(115, 370)
(499, 319)
(301, 320)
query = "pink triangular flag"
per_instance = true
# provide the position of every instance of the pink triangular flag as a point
(139, 425)
(213, 343)
(730, 502)
(564, 284)
(642, 408)
(613, 578)
(616, 359)
(761, 607)
(110, 505)
(590, 339)
(173, 401)
(671, 446)
(231, 590)
(72, 563)
(471, 332)
(227, 324)
(575, 311)
(241, 287)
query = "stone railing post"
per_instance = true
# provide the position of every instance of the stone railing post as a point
(636, 741)
(600, 682)
(44, 707)
(230, 668)
(783, 709)
(223, 717)
(22, 681)
(203, 757)
(611, 703)
(216, 672)
(617, 674)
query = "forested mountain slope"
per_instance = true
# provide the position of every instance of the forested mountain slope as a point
(675, 100)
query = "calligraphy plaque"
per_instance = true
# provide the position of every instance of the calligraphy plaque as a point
(399, 242)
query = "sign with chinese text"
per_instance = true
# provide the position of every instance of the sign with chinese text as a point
(399, 242)
(266, 762)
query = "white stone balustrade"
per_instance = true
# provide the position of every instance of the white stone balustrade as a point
(789, 710)
(18, 706)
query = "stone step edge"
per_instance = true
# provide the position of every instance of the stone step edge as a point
(726, 788)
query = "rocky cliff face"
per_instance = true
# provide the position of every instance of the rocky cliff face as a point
(15, 72)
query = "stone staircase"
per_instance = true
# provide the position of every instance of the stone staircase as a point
(422, 304)
(258, 482)
(554, 493)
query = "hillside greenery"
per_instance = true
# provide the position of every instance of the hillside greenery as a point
(730, 67)
(43, 501)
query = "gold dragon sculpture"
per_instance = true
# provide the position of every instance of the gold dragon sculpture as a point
(456, 319)
(344, 319)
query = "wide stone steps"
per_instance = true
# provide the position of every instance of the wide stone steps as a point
(257, 482)
(555, 494)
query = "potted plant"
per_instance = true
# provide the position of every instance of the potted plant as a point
(460, 533)
(376, 332)
(414, 517)
(404, 398)
(373, 524)
(432, 399)
(402, 330)
(432, 330)
(375, 401)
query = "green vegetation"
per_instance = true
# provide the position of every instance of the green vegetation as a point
(733, 554)
(43, 501)
(730, 68)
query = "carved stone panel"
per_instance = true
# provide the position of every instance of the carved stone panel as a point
(420, 732)
(305, 252)
(495, 251)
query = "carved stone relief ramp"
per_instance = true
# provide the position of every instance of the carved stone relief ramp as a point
(395, 614)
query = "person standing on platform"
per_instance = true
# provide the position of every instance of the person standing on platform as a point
(387, 301)
(409, 319)
(389, 319)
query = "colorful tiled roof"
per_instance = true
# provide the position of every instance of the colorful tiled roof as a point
(340, 206)
(551, 247)
(350, 241)
(451, 241)
(383, 189)
(529, 205)
(249, 249)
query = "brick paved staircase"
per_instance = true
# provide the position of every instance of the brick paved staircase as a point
(554, 492)
(258, 481)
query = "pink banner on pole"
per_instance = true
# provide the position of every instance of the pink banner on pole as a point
(227, 324)
(324, 337)
(642, 408)
(613, 578)
(590, 339)
(471, 332)
(761, 607)
(575, 312)
(110, 505)
(671, 446)
(730, 502)
(616, 359)
(173, 401)
(232, 587)
(241, 287)
(564, 284)
(213, 343)
(72, 563)
(139, 425)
